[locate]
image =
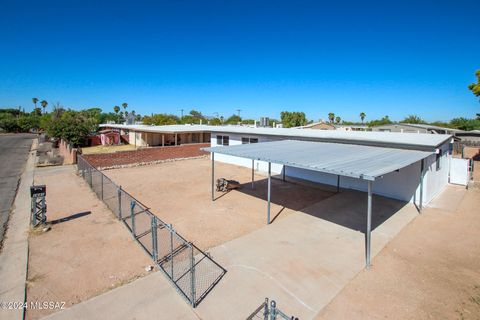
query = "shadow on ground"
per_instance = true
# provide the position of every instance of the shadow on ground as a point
(347, 208)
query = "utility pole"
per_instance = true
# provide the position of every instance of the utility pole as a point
(182, 114)
(239, 110)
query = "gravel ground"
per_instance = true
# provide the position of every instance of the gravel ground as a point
(87, 253)
(180, 193)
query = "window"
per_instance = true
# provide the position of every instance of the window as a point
(249, 140)
(223, 140)
(438, 159)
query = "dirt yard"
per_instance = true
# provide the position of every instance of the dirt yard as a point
(146, 155)
(431, 270)
(86, 252)
(180, 193)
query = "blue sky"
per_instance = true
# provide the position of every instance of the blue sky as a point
(383, 58)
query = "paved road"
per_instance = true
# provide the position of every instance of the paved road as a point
(14, 150)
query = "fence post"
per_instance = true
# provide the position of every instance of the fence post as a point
(154, 240)
(119, 193)
(273, 310)
(90, 174)
(101, 178)
(132, 215)
(265, 310)
(171, 250)
(192, 274)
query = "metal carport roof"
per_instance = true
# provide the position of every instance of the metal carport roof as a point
(356, 161)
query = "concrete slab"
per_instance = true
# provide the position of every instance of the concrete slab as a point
(151, 297)
(303, 260)
(449, 199)
(14, 256)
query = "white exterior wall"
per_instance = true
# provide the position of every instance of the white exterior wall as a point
(403, 185)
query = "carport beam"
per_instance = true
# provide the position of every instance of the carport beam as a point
(269, 190)
(420, 206)
(369, 225)
(213, 176)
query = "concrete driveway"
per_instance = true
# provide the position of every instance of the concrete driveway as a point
(303, 260)
(14, 150)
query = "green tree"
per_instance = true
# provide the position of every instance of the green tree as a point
(475, 88)
(35, 100)
(362, 116)
(293, 119)
(465, 124)
(160, 119)
(380, 122)
(331, 117)
(44, 104)
(413, 119)
(8, 122)
(338, 119)
(193, 117)
(215, 121)
(124, 105)
(233, 119)
(72, 126)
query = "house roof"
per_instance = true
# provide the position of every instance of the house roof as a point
(420, 141)
(356, 161)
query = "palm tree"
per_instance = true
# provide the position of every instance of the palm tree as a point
(338, 119)
(125, 105)
(117, 110)
(35, 100)
(44, 104)
(331, 117)
(362, 116)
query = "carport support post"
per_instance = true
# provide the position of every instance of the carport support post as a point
(338, 183)
(369, 224)
(420, 206)
(175, 139)
(269, 190)
(213, 176)
(253, 172)
(283, 173)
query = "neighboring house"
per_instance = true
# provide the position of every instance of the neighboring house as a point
(414, 128)
(353, 127)
(318, 126)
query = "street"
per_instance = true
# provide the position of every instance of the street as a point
(14, 150)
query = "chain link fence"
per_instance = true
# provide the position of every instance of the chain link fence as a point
(269, 311)
(192, 272)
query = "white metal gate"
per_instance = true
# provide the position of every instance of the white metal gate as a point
(459, 171)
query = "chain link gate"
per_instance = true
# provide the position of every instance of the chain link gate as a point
(191, 271)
